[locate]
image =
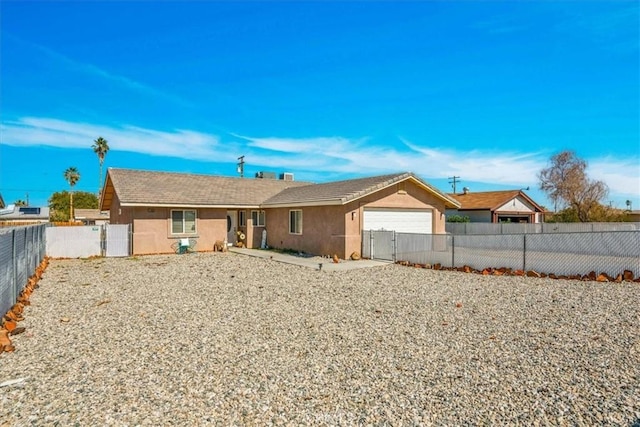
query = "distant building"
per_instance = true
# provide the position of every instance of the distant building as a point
(497, 206)
(26, 214)
(91, 216)
(1, 202)
(633, 216)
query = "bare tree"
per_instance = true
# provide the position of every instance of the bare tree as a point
(567, 185)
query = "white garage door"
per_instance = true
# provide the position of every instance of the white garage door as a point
(400, 220)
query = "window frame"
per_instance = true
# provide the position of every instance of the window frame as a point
(184, 222)
(297, 221)
(255, 219)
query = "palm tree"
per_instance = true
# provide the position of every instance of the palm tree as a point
(100, 147)
(72, 176)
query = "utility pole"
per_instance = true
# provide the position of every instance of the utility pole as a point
(454, 181)
(241, 166)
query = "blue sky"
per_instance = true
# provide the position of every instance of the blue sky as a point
(485, 91)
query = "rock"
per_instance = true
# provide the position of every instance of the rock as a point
(355, 256)
(602, 278)
(533, 273)
(628, 275)
(336, 259)
(466, 269)
(437, 266)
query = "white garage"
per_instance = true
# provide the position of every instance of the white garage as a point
(400, 220)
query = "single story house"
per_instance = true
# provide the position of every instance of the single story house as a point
(91, 216)
(24, 214)
(497, 206)
(320, 219)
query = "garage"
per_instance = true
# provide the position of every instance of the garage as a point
(400, 220)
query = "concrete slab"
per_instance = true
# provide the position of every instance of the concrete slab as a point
(314, 262)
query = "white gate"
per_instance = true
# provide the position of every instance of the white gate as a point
(117, 240)
(73, 242)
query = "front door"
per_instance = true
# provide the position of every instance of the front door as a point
(232, 227)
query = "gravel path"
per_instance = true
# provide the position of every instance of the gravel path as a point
(226, 339)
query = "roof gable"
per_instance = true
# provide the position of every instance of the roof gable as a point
(491, 200)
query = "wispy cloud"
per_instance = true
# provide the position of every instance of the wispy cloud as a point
(318, 156)
(95, 71)
(35, 131)
(622, 176)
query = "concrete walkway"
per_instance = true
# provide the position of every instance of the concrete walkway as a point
(315, 262)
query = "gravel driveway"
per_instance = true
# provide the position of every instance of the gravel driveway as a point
(227, 339)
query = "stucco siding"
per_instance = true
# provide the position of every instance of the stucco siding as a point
(407, 195)
(322, 230)
(152, 230)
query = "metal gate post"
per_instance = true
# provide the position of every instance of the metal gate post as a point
(524, 252)
(371, 245)
(453, 250)
(395, 247)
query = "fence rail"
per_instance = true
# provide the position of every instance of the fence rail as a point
(21, 250)
(609, 252)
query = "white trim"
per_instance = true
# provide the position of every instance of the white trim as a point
(184, 232)
(292, 232)
(400, 220)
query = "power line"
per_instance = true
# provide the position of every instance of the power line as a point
(454, 181)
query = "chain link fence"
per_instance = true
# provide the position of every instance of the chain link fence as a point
(22, 249)
(609, 252)
(458, 228)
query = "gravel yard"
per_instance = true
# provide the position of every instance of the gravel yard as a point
(227, 339)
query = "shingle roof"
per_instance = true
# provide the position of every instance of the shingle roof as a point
(138, 187)
(148, 188)
(490, 199)
(341, 192)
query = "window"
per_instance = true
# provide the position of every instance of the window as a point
(295, 222)
(258, 218)
(183, 222)
(243, 218)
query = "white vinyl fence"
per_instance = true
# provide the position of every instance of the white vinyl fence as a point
(87, 241)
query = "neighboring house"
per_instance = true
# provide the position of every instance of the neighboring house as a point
(633, 216)
(320, 219)
(1, 202)
(498, 206)
(27, 214)
(91, 216)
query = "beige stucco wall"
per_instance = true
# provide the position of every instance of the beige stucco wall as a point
(326, 230)
(329, 230)
(152, 229)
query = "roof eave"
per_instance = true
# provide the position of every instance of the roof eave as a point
(188, 205)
